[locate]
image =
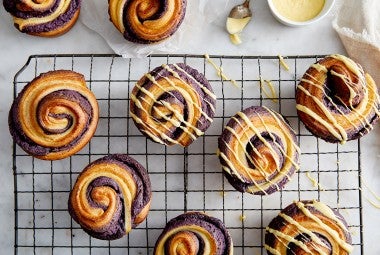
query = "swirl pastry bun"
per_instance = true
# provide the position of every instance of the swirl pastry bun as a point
(54, 116)
(47, 18)
(336, 100)
(147, 21)
(258, 151)
(173, 104)
(308, 227)
(111, 196)
(194, 233)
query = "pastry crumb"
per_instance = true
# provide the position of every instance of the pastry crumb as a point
(223, 193)
(242, 217)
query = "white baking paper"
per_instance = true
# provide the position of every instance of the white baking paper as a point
(95, 16)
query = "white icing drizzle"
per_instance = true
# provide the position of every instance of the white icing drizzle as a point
(331, 124)
(272, 250)
(176, 75)
(204, 88)
(248, 124)
(317, 242)
(365, 125)
(302, 230)
(252, 160)
(327, 212)
(154, 132)
(289, 239)
(342, 135)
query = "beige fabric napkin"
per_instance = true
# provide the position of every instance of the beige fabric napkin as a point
(358, 25)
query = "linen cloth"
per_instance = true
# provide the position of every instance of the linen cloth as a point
(358, 25)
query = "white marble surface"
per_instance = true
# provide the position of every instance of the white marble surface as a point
(267, 37)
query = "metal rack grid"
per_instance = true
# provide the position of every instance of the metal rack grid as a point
(182, 179)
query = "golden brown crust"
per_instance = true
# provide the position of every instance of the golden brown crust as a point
(336, 100)
(60, 30)
(173, 104)
(54, 116)
(308, 227)
(258, 151)
(194, 233)
(47, 18)
(111, 196)
(147, 21)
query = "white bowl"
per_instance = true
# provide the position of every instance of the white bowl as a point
(326, 9)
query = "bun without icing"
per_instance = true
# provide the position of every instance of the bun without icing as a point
(47, 18)
(147, 21)
(54, 116)
(111, 196)
(194, 233)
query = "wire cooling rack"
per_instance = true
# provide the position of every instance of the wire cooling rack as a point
(182, 179)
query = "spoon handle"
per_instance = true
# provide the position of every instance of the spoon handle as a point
(246, 3)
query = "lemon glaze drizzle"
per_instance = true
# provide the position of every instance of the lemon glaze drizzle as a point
(258, 134)
(177, 114)
(357, 71)
(324, 210)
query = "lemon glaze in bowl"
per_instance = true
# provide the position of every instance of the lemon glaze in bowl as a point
(327, 6)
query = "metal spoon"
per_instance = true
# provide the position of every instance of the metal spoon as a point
(241, 11)
(238, 18)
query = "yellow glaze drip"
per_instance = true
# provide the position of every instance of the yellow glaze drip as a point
(235, 39)
(219, 71)
(376, 196)
(336, 123)
(326, 211)
(153, 131)
(331, 125)
(364, 122)
(235, 27)
(302, 229)
(272, 250)
(289, 239)
(313, 181)
(283, 63)
(246, 124)
(272, 92)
